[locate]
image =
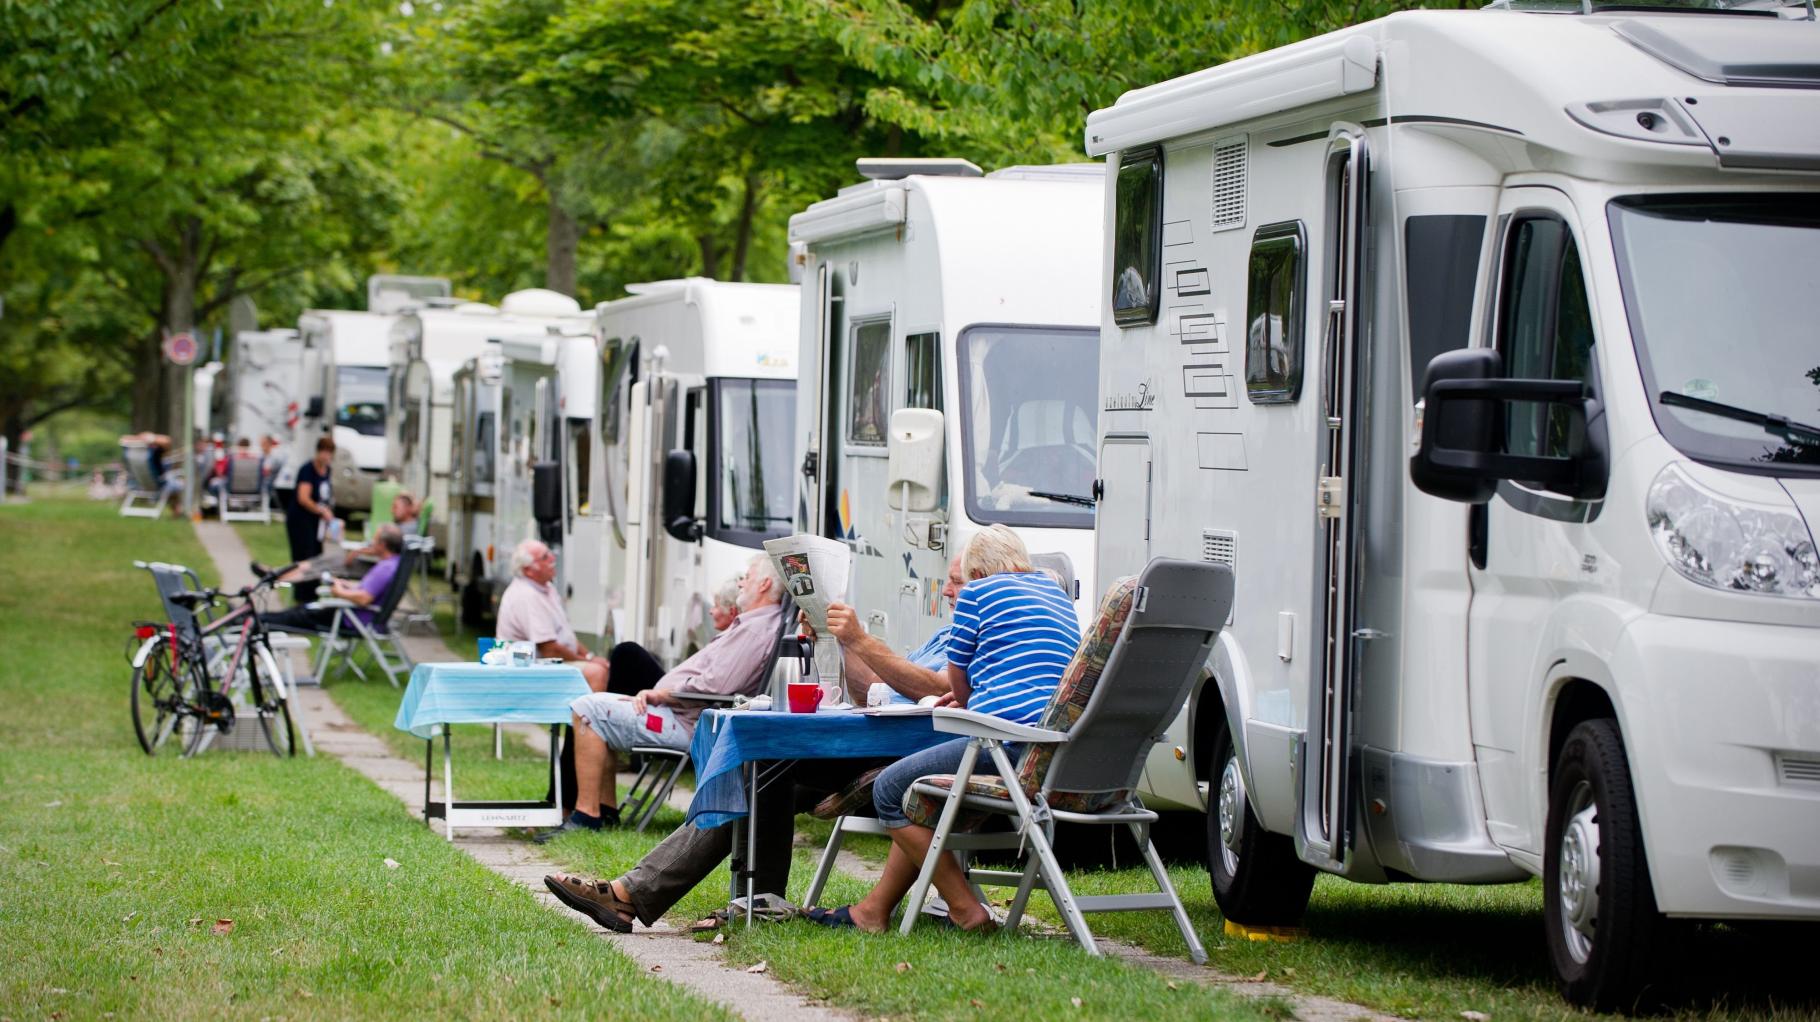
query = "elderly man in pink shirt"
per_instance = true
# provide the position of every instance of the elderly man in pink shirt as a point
(531, 610)
(661, 712)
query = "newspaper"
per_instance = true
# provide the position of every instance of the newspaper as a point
(816, 573)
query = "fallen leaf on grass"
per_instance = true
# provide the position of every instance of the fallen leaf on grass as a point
(556, 1002)
(720, 938)
(657, 968)
(58, 990)
(54, 803)
(1074, 1001)
(976, 1002)
(109, 862)
(222, 927)
(305, 994)
(391, 863)
(1173, 985)
(1000, 966)
(1475, 1016)
(903, 966)
(760, 967)
(128, 917)
(1260, 977)
(195, 920)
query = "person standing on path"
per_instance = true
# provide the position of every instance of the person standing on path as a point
(311, 511)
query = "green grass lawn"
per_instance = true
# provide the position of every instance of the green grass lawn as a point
(116, 867)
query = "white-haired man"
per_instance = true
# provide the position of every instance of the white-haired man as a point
(531, 610)
(661, 712)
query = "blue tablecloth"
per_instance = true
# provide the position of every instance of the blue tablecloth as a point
(726, 740)
(478, 694)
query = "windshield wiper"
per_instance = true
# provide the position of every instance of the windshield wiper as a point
(1064, 498)
(1775, 425)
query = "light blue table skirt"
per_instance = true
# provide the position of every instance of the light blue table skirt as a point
(468, 693)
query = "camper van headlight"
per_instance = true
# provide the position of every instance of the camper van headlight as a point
(1727, 544)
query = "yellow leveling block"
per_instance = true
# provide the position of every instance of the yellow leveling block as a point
(1281, 934)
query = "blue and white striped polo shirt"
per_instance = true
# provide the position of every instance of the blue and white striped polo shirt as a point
(1013, 634)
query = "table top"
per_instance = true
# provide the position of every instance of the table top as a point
(470, 693)
(726, 740)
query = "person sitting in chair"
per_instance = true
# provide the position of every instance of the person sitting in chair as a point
(365, 594)
(660, 711)
(531, 610)
(341, 560)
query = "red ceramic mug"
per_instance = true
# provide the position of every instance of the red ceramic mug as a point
(805, 696)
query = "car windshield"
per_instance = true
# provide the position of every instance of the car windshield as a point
(757, 438)
(1028, 397)
(360, 399)
(1715, 289)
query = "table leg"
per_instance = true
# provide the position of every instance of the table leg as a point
(448, 785)
(429, 771)
(751, 837)
(499, 749)
(555, 763)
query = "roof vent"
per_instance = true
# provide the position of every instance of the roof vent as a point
(1747, 52)
(892, 168)
(537, 301)
(1229, 183)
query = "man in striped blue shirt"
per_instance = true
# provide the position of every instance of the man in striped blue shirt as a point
(1014, 633)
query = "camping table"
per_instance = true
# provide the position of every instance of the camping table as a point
(735, 750)
(467, 693)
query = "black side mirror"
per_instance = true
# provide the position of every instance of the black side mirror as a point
(546, 492)
(313, 410)
(1461, 456)
(679, 497)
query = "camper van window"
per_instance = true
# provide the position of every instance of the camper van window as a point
(1442, 266)
(1544, 331)
(579, 458)
(1137, 237)
(483, 448)
(869, 386)
(923, 371)
(1724, 332)
(360, 395)
(753, 493)
(1028, 396)
(1276, 286)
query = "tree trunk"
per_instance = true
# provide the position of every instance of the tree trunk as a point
(560, 246)
(179, 259)
(710, 254)
(742, 239)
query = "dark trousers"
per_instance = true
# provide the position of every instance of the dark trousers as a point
(691, 854)
(299, 617)
(630, 670)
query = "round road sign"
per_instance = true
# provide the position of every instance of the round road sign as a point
(180, 348)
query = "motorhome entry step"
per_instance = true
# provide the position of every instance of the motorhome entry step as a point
(1281, 934)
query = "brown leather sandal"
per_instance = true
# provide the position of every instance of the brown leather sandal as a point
(592, 899)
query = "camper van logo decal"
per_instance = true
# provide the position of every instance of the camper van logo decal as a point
(1140, 400)
(772, 360)
(849, 535)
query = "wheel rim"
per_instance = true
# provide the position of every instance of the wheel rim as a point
(1578, 874)
(1232, 815)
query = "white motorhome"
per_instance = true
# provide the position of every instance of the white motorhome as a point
(344, 396)
(428, 346)
(267, 370)
(393, 292)
(694, 461)
(1550, 263)
(518, 406)
(950, 334)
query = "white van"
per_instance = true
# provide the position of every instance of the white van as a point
(266, 370)
(344, 394)
(1550, 263)
(949, 341)
(428, 345)
(693, 466)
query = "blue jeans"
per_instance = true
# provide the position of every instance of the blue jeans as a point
(888, 791)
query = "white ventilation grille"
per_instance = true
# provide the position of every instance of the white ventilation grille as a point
(1798, 770)
(1229, 183)
(1221, 547)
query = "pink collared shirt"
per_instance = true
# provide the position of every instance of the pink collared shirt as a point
(533, 612)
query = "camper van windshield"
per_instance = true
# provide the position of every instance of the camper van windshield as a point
(1028, 396)
(360, 399)
(756, 487)
(1724, 324)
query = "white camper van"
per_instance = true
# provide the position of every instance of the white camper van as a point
(693, 461)
(346, 397)
(512, 408)
(428, 345)
(267, 370)
(1475, 342)
(950, 335)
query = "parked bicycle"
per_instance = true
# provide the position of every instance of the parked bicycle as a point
(192, 674)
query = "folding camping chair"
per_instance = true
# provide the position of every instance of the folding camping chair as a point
(346, 632)
(144, 491)
(244, 498)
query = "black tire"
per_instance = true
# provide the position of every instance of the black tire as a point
(1257, 878)
(474, 600)
(157, 700)
(269, 704)
(1606, 961)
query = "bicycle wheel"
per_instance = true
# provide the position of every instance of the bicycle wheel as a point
(270, 701)
(159, 700)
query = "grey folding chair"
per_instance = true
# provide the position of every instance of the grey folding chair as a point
(346, 632)
(142, 487)
(244, 499)
(1153, 637)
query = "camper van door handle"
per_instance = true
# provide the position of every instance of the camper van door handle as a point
(1329, 497)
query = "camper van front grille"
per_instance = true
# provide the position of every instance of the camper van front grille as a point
(1221, 547)
(1229, 183)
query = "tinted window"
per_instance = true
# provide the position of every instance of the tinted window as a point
(869, 388)
(1441, 269)
(756, 447)
(1275, 284)
(1545, 333)
(1137, 237)
(360, 396)
(923, 371)
(483, 448)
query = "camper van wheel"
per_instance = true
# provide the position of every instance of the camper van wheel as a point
(473, 599)
(1257, 878)
(1600, 911)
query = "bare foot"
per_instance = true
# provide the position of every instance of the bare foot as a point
(869, 919)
